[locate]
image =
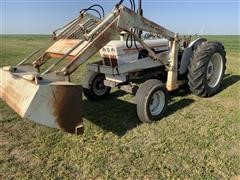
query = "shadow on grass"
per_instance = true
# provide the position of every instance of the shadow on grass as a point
(181, 91)
(177, 105)
(112, 114)
(118, 116)
(184, 90)
(229, 80)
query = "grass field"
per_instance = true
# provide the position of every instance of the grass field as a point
(197, 139)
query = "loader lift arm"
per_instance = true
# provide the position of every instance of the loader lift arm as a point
(120, 19)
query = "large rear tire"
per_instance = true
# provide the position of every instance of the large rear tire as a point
(151, 100)
(206, 69)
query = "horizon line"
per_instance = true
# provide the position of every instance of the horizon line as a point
(179, 34)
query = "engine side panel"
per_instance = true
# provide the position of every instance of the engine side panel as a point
(115, 53)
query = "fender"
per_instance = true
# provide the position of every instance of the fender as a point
(187, 54)
(90, 75)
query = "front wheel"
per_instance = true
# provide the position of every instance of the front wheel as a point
(151, 100)
(96, 89)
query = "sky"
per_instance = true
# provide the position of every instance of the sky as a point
(217, 17)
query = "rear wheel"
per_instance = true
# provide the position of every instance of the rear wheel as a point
(151, 99)
(206, 69)
(96, 90)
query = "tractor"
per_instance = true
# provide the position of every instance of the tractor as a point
(147, 60)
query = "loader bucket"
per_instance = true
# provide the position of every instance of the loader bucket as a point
(55, 104)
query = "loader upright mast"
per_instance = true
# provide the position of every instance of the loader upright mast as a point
(140, 12)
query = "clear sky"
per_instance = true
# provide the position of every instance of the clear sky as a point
(183, 16)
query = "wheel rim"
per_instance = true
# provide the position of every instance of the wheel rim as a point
(157, 103)
(214, 70)
(98, 86)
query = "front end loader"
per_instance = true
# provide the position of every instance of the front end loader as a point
(145, 65)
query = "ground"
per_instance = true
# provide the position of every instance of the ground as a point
(199, 138)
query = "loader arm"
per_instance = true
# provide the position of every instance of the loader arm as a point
(124, 19)
(120, 19)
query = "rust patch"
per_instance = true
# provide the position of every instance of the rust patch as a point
(110, 62)
(109, 56)
(12, 98)
(67, 107)
(12, 91)
(58, 55)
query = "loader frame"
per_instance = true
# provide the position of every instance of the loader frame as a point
(122, 19)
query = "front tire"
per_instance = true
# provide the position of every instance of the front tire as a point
(151, 100)
(206, 69)
(96, 89)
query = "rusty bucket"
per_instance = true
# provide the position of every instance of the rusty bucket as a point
(54, 103)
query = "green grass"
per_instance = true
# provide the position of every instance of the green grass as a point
(197, 139)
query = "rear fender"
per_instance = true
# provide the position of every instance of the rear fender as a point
(187, 53)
